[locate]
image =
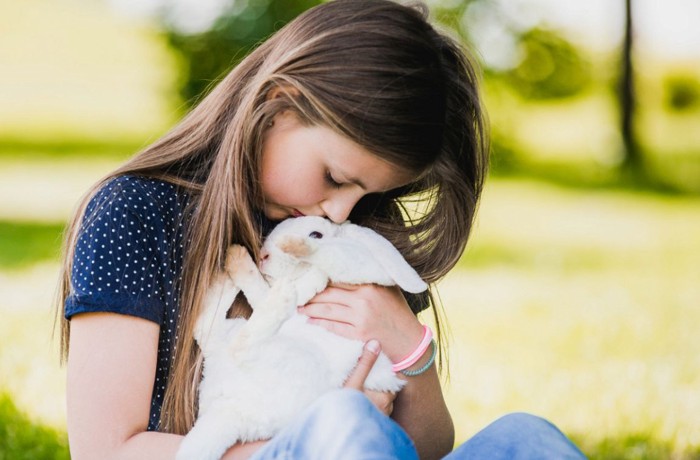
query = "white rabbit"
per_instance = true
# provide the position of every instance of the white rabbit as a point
(259, 373)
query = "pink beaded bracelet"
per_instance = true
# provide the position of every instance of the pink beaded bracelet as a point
(411, 359)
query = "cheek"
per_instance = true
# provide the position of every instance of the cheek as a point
(271, 183)
(290, 184)
(273, 179)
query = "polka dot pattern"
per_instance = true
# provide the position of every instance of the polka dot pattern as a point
(128, 260)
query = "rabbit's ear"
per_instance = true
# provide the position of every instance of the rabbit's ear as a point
(387, 256)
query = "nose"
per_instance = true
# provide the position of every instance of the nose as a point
(338, 208)
(264, 255)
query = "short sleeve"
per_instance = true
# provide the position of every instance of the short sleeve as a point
(118, 261)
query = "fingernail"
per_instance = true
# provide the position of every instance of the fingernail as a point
(373, 346)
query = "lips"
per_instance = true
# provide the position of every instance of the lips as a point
(297, 213)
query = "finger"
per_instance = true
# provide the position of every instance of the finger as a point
(342, 329)
(330, 312)
(383, 400)
(369, 355)
(333, 295)
(343, 286)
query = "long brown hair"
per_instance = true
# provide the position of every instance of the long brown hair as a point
(374, 71)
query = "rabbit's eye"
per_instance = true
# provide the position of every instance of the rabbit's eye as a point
(316, 235)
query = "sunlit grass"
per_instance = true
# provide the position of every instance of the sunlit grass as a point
(581, 307)
(37, 189)
(74, 67)
(29, 357)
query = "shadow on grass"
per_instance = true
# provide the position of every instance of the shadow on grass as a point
(57, 149)
(658, 174)
(22, 439)
(587, 177)
(25, 243)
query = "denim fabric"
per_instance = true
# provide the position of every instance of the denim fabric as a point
(345, 425)
(341, 425)
(518, 436)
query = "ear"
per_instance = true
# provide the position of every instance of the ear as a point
(387, 256)
(281, 91)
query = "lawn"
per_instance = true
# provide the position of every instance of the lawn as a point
(581, 306)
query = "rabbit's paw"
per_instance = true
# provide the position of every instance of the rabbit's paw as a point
(239, 263)
(190, 449)
(208, 439)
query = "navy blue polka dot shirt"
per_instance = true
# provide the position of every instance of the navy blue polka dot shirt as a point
(128, 260)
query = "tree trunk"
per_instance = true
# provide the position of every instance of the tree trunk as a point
(632, 160)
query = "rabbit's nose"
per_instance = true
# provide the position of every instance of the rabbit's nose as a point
(264, 255)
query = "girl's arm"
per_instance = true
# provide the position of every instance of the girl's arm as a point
(111, 371)
(421, 410)
(368, 311)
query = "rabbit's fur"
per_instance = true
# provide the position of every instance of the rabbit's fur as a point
(261, 372)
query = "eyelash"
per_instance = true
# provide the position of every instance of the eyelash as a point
(332, 182)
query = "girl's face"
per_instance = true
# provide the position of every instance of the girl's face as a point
(313, 171)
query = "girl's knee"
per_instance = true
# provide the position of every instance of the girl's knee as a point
(521, 435)
(521, 423)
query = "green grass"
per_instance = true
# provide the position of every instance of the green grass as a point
(23, 439)
(635, 447)
(581, 306)
(37, 149)
(23, 244)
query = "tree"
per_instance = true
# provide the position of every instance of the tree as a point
(208, 55)
(550, 67)
(632, 160)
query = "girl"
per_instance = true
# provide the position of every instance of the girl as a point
(348, 112)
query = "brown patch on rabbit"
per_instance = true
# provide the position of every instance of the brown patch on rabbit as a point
(294, 246)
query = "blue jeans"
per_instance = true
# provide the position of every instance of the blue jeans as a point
(345, 425)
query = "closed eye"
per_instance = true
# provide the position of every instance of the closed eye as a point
(332, 182)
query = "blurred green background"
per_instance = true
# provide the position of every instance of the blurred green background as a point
(578, 298)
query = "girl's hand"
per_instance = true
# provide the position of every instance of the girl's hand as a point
(384, 401)
(368, 311)
(243, 451)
